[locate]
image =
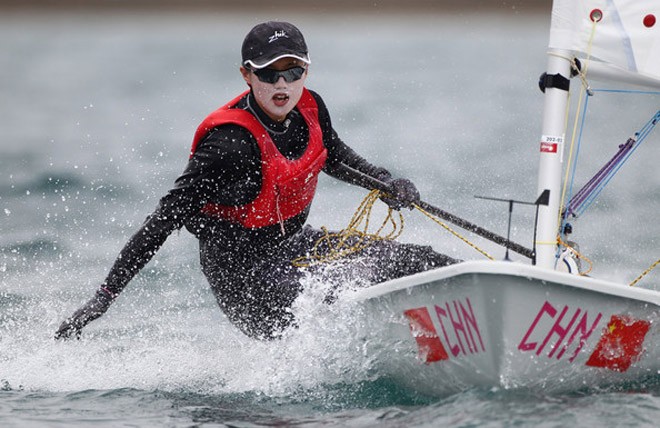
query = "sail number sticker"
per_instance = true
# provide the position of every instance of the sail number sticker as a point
(550, 144)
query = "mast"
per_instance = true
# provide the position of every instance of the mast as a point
(622, 38)
(551, 154)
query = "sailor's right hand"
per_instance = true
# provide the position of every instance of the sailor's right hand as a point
(404, 194)
(94, 308)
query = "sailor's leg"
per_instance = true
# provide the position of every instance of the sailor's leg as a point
(255, 293)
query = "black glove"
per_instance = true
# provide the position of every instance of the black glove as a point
(404, 194)
(90, 311)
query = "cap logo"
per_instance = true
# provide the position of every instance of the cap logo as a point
(276, 35)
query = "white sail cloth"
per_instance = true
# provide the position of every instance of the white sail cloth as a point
(626, 37)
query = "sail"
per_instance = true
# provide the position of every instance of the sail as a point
(621, 37)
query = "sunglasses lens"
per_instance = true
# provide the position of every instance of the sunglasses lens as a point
(295, 73)
(268, 75)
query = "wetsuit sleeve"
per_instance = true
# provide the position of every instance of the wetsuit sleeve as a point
(172, 211)
(339, 152)
(225, 169)
(135, 254)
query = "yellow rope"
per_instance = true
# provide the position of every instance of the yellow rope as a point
(356, 236)
(578, 255)
(453, 232)
(578, 109)
(591, 265)
(657, 262)
(582, 75)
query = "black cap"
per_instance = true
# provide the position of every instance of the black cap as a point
(270, 41)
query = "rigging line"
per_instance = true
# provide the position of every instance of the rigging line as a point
(590, 192)
(603, 180)
(579, 256)
(643, 274)
(606, 169)
(597, 191)
(583, 78)
(627, 91)
(586, 190)
(577, 152)
(335, 245)
(592, 196)
(452, 231)
(583, 193)
(569, 165)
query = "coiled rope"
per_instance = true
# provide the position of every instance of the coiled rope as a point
(356, 236)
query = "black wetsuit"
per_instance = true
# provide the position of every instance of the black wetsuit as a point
(250, 270)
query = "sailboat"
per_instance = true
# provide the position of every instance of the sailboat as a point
(505, 324)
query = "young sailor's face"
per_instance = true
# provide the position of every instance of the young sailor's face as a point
(279, 98)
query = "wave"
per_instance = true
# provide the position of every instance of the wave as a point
(62, 183)
(21, 252)
(43, 183)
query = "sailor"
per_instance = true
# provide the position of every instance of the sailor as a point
(246, 194)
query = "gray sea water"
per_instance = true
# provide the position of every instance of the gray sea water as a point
(96, 117)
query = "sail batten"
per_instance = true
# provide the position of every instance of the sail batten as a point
(622, 35)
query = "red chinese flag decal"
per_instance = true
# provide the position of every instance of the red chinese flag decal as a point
(548, 147)
(428, 342)
(620, 344)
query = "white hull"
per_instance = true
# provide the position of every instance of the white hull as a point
(507, 325)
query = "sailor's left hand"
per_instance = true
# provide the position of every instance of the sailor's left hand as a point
(404, 194)
(94, 308)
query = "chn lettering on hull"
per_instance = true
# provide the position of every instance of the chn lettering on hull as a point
(562, 332)
(458, 335)
(554, 331)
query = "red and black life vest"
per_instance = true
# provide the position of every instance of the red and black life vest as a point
(288, 186)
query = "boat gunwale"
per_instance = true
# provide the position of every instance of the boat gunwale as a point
(505, 268)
